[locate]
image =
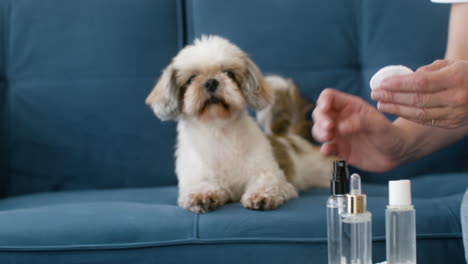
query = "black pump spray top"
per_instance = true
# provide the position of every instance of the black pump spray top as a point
(339, 183)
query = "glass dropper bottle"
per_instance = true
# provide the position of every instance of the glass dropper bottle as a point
(356, 247)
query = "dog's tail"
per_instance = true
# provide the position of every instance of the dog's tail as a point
(289, 112)
(287, 123)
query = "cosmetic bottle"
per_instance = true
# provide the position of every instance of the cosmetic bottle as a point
(400, 221)
(336, 205)
(356, 239)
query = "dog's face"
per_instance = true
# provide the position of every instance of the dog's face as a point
(209, 80)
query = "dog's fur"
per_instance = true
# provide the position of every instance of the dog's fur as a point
(222, 154)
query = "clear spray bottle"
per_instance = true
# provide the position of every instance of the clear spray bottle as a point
(356, 227)
(400, 220)
(336, 205)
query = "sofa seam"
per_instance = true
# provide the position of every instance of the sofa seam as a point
(8, 112)
(454, 219)
(338, 67)
(186, 24)
(195, 228)
(181, 23)
(91, 247)
(65, 79)
(361, 36)
(3, 189)
(359, 31)
(189, 22)
(6, 44)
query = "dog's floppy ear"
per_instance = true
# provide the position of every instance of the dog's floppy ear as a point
(164, 97)
(256, 91)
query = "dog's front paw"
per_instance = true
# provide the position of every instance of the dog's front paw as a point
(268, 196)
(261, 201)
(203, 202)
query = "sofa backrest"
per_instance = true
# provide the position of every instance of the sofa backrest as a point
(75, 74)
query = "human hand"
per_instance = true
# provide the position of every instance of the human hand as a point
(438, 92)
(353, 130)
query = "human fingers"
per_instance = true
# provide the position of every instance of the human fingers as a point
(321, 135)
(331, 99)
(336, 149)
(322, 130)
(423, 100)
(339, 149)
(330, 105)
(435, 66)
(328, 149)
(353, 124)
(324, 116)
(420, 82)
(420, 115)
(321, 113)
(325, 100)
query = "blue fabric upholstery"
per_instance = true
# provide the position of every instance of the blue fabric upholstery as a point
(78, 73)
(73, 125)
(86, 224)
(3, 93)
(464, 221)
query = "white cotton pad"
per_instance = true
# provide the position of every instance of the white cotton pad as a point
(388, 71)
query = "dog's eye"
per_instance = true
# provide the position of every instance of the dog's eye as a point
(189, 81)
(231, 75)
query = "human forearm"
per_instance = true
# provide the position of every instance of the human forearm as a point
(457, 44)
(420, 140)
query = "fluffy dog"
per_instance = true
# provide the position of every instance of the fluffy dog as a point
(222, 154)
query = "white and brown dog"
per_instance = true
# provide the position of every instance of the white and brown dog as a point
(222, 154)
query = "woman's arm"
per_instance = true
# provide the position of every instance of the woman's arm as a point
(355, 131)
(457, 44)
(422, 140)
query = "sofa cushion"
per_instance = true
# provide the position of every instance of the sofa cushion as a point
(338, 44)
(145, 225)
(3, 100)
(78, 74)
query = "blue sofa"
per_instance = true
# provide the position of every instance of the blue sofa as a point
(87, 171)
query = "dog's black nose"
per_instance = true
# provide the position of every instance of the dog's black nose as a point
(211, 85)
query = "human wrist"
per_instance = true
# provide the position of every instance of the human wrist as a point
(406, 148)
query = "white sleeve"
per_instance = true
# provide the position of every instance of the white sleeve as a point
(449, 1)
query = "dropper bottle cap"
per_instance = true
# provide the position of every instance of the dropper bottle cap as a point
(339, 182)
(357, 201)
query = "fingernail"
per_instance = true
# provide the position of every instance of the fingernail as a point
(382, 107)
(376, 95)
(326, 124)
(323, 107)
(384, 84)
(320, 136)
(326, 136)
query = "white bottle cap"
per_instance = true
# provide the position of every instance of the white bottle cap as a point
(399, 192)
